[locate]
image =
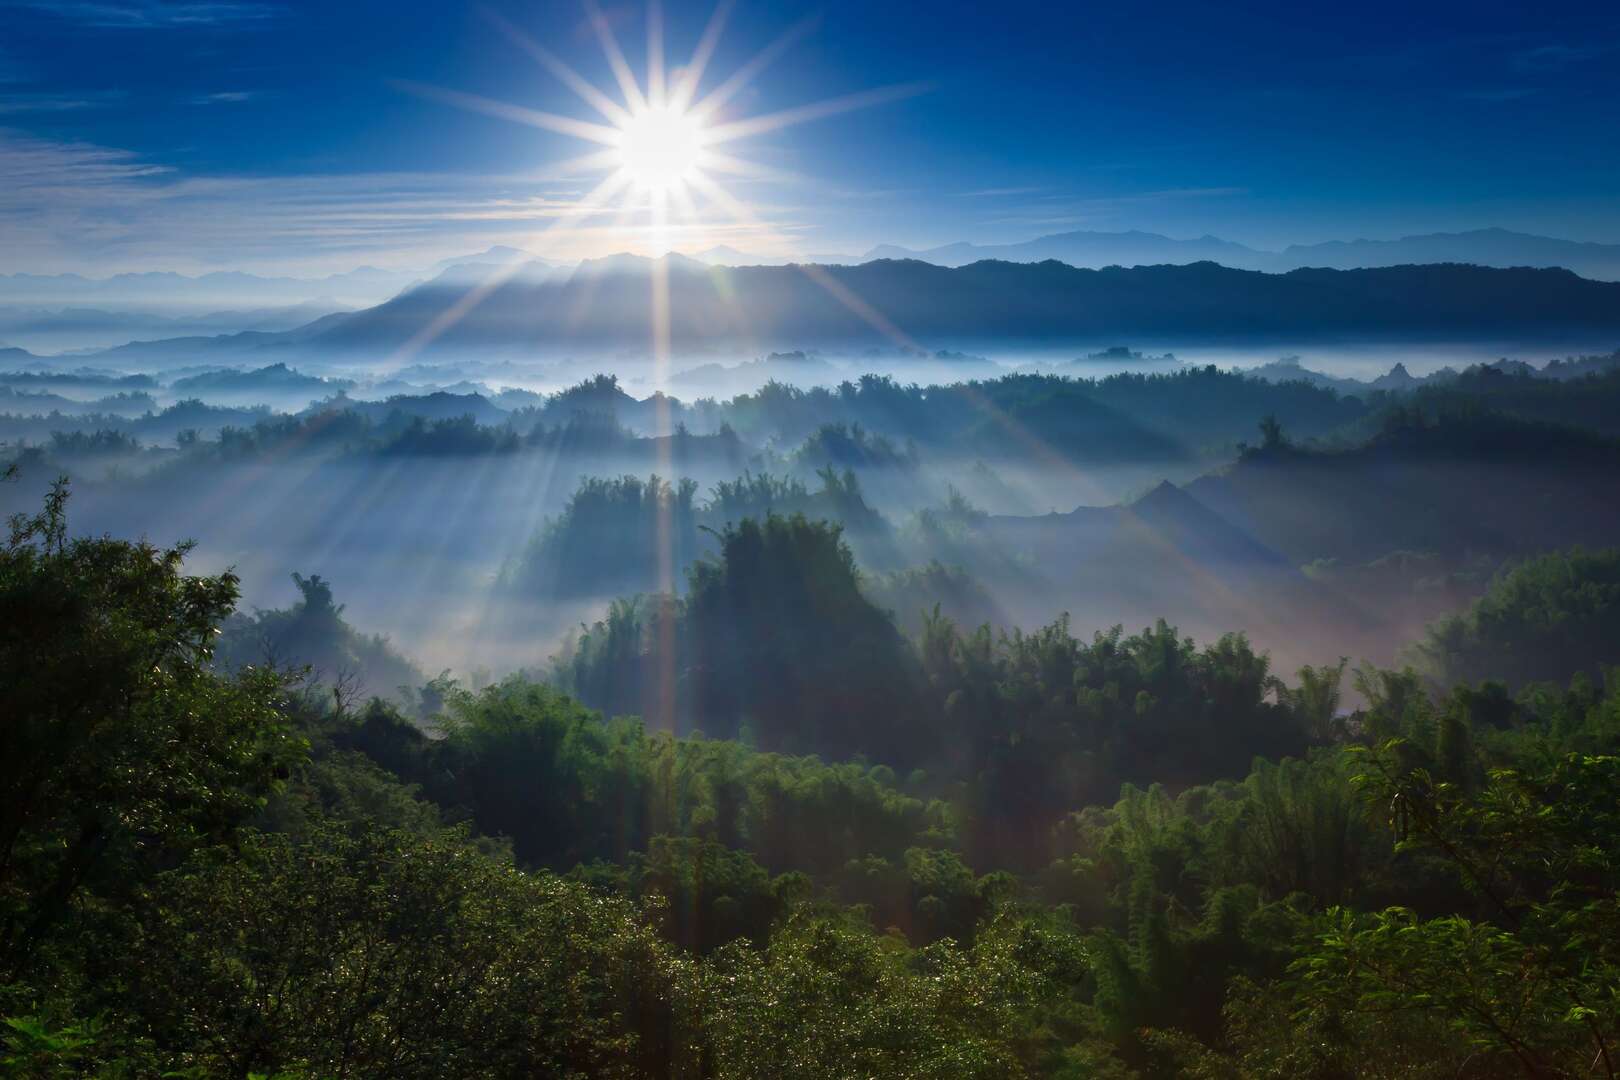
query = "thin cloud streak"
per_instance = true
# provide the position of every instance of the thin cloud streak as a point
(151, 14)
(229, 97)
(1557, 55)
(996, 193)
(76, 206)
(14, 104)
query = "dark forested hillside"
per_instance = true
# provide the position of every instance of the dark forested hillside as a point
(1449, 483)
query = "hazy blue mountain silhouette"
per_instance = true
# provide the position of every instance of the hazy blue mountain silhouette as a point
(1088, 248)
(605, 304)
(1482, 247)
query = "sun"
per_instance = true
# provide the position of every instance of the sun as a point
(660, 148)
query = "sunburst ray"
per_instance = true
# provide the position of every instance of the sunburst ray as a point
(692, 74)
(620, 67)
(611, 110)
(562, 125)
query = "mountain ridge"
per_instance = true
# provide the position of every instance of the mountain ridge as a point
(920, 305)
(1084, 248)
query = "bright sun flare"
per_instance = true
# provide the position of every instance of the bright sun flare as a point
(662, 145)
(660, 148)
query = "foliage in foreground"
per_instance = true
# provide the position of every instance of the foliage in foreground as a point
(210, 875)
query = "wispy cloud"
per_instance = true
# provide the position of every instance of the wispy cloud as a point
(71, 205)
(152, 14)
(228, 97)
(995, 193)
(11, 104)
(42, 165)
(1557, 55)
(1182, 193)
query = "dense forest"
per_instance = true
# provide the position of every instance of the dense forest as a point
(758, 830)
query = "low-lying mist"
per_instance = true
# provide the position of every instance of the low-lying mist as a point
(480, 523)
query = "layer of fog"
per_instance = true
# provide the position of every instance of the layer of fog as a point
(416, 548)
(724, 374)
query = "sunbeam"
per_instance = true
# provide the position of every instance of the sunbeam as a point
(633, 96)
(563, 125)
(588, 93)
(692, 73)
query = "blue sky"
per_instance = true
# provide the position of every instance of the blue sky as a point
(281, 136)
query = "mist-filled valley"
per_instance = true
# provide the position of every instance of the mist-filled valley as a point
(479, 527)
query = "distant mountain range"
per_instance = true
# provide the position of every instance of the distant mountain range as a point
(1479, 247)
(172, 294)
(177, 295)
(603, 305)
(181, 295)
(1086, 249)
(80, 328)
(70, 312)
